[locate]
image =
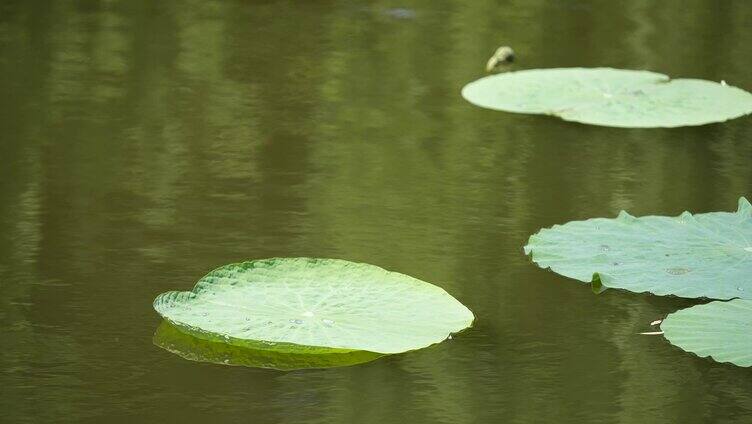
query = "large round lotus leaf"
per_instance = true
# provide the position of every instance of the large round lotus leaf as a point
(168, 337)
(721, 330)
(315, 306)
(610, 97)
(703, 255)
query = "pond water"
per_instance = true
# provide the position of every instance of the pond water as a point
(145, 143)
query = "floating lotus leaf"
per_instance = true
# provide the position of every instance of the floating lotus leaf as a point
(168, 337)
(721, 330)
(315, 306)
(610, 97)
(703, 255)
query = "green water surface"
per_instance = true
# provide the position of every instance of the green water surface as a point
(144, 143)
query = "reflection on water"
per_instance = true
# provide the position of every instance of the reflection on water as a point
(168, 337)
(144, 143)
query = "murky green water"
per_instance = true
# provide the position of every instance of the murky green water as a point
(144, 143)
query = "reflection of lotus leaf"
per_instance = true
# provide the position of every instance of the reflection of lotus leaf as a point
(721, 330)
(313, 306)
(192, 348)
(610, 97)
(702, 255)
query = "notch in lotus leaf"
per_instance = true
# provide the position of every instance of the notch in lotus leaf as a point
(704, 255)
(314, 306)
(610, 97)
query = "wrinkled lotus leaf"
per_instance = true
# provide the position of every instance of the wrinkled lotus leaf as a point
(168, 337)
(721, 330)
(610, 97)
(315, 306)
(703, 255)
